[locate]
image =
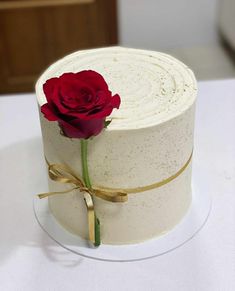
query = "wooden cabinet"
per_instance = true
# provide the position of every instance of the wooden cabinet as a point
(35, 33)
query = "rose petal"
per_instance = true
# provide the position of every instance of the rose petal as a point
(49, 87)
(48, 112)
(75, 94)
(107, 110)
(93, 79)
(77, 91)
(103, 98)
(116, 101)
(81, 128)
(102, 114)
(51, 90)
(68, 77)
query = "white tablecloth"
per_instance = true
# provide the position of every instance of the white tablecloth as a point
(30, 260)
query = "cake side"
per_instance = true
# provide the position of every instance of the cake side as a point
(146, 214)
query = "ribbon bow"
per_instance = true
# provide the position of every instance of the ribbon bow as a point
(64, 174)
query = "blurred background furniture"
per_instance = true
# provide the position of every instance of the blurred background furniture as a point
(34, 33)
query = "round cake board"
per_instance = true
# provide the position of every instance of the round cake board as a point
(190, 225)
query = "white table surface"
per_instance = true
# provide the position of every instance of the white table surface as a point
(30, 260)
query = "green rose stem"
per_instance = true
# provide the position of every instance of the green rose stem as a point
(86, 179)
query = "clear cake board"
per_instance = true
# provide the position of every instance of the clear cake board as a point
(191, 224)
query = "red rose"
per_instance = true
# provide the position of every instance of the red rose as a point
(80, 102)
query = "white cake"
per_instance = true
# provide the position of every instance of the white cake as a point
(149, 140)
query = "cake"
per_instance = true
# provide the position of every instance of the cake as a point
(148, 142)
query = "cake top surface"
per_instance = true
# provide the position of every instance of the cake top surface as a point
(154, 87)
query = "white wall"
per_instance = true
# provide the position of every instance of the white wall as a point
(157, 24)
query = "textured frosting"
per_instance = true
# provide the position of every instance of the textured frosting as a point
(149, 139)
(154, 87)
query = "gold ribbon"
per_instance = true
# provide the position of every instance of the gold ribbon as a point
(64, 174)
